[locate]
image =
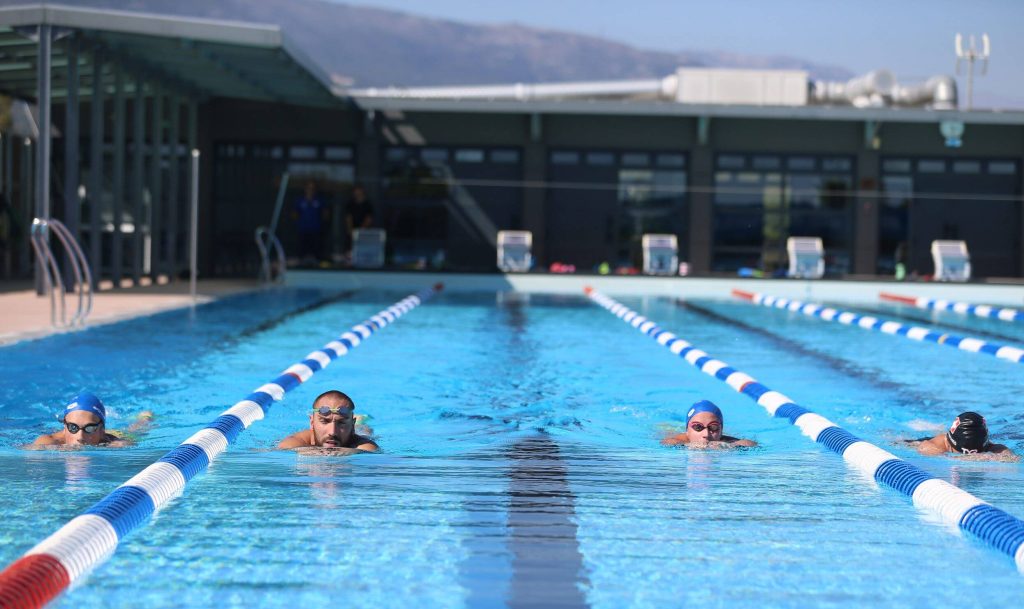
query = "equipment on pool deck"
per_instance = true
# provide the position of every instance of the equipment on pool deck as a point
(368, 247)
(806, 257)
(514, 251)
(661, 254)
(952, 262)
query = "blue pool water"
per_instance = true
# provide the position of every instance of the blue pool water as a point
(521, 463)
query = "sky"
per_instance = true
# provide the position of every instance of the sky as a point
(913, 38)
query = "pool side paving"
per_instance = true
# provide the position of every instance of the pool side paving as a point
(24, 315)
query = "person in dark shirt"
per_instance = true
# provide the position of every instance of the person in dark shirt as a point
(358, 213)
(309, 213)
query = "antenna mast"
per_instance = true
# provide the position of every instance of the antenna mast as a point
(970, 55)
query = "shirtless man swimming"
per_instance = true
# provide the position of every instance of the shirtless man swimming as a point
(704, 429)
(84, 420)
(331, 426)
(968, 435)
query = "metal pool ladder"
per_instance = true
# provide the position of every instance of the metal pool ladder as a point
(52, 278)
(268, 243)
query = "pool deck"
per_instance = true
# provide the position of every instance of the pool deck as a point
(853, 291)
(24, 315)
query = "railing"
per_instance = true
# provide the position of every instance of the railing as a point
(51, 273)
(268, 243)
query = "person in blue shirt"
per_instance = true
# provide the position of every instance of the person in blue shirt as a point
(309, 213)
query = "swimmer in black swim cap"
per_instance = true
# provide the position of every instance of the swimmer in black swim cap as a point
(968, 435)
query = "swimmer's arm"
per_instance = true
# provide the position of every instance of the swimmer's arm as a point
(367, 445)
(744, 443)
(142, 422)
(296, 440)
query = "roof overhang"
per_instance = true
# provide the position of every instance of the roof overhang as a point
(666, 108)
(199, 57)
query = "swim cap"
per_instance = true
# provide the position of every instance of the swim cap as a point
(87, 402)
(968, 433)
(704, 406)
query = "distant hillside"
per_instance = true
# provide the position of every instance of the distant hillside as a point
(373, 47)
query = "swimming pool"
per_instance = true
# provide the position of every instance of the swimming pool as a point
(521, 464)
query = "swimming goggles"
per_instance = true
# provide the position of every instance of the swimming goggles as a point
(712, 427)
(74, 428)
(326, 411)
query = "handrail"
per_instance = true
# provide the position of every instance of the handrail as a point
(51, 274)
(267, 241)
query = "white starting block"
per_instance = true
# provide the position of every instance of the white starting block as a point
(806, 257)
(514, 251)
(952, 262)
(368, 248)
(661, 254)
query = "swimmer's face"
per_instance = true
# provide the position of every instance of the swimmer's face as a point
(80, 419)
(335, 429)
(704, 427)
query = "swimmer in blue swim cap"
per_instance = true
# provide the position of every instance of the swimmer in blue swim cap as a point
(704, 428)
(85, 421)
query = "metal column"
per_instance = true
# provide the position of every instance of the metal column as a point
(173, 204)
(156, 215)
(72, 203)
(95, 192)
(42, 207)
(116, 245)
(138, 176)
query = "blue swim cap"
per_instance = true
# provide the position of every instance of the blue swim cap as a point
(704, 406)
(87, 402)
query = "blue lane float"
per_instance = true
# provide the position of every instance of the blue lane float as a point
(964, 308)
(964, 343)
(87, 540)
(995, 527)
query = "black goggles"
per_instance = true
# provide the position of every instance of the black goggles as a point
(75, 428)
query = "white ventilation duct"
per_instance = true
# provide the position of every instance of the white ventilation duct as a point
(870, 90)
(938, 92)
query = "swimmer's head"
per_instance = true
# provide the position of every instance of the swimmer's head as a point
(704, 423)
(968, 433)
(84, 420)
(333, 419)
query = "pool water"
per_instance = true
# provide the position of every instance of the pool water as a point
(521, 464)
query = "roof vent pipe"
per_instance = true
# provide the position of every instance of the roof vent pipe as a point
(938, 93)
(870, 89)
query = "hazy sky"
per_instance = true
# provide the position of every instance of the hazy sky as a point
(913, 38)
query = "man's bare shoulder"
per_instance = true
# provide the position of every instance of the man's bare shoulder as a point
(49, 439)
(296, 440)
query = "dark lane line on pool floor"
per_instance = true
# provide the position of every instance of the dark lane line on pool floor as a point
(905, 394)
(547, 565)
(539, 507)
(280, 319)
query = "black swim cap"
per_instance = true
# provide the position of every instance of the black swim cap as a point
(968, 433)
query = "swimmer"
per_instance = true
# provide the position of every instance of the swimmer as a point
(704, 423)
(331, 426)
(968, 435)
(84, 420)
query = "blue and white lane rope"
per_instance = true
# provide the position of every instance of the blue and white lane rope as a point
(964, 343)
(87, 540)
(964, 308)
(997, 528)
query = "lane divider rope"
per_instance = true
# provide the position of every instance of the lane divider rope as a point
(87, 540)
(995, 527)
(964, 343)
(964, 308)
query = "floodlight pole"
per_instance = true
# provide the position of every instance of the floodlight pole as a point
(194, 228)
(970, 55)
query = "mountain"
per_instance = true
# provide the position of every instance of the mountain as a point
(365, 47)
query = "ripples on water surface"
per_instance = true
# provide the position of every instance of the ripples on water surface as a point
(521, 465)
